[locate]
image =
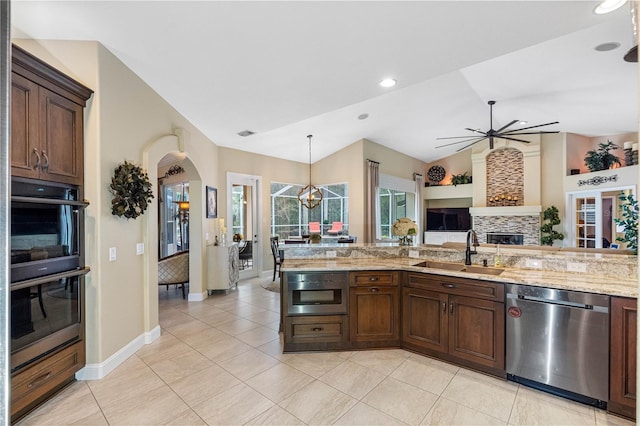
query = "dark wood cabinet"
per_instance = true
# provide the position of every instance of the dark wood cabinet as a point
(47, 115)
(374, 309)
(455, 319)
(47, 140)
(33, 385)
(622, 373)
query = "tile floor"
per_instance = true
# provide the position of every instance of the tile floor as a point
(220, 362)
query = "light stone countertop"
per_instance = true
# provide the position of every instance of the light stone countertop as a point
(614, 286)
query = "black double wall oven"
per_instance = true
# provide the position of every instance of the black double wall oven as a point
(46, 274)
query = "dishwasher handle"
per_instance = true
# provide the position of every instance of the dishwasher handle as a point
(595, 308)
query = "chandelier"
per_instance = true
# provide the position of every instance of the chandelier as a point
(310, 196)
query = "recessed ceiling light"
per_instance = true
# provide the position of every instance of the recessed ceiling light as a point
(605, 47)
(388, 82)
(608, 6)
(363, 116)
(522, 123)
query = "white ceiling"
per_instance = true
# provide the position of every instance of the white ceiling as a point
(288, 69)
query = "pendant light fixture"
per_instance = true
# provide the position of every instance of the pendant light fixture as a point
(310, 196)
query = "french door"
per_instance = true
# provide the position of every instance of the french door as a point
(243, 213)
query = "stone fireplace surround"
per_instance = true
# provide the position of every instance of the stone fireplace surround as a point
(515, 167)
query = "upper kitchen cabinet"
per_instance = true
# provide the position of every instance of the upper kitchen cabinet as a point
(46, 121)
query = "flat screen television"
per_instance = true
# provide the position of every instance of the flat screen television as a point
(448, 219)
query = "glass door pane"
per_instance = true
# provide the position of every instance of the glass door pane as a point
(174, 220)
(586, 222)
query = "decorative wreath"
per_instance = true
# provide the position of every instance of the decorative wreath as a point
(131, 191)
(436, 173)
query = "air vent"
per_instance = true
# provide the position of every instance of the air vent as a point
(245, 133)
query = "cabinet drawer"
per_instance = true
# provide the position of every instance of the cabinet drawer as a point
(455, 285)
(31, 385)
(312, 329)
(358, 279)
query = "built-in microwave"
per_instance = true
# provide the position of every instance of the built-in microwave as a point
(45, 228)
(317, 293)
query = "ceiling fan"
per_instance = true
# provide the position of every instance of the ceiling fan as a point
(501, 133)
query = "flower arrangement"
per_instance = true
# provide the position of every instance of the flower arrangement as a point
(404, 228)
(237, 238)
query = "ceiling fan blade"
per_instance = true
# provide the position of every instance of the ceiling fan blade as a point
(460, 137)
(475, 139)
(532, 127)
(472, 143)
(476, 131)
(508, 125)
(533, 133)
(512, 139)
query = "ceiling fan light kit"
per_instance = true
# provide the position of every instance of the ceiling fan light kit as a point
(501, 133)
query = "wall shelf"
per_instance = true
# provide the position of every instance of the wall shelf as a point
(445, 192)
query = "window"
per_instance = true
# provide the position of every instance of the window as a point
(396, 199)
(290, 218)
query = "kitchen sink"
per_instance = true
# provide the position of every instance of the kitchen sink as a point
(475, 269)
(459, 267)
(441, 265)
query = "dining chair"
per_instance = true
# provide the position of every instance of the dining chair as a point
(277, 261)
(174, 270)
(336, 228)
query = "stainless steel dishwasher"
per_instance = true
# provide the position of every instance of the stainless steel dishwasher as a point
(558, 341)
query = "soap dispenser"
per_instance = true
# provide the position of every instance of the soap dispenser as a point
(498, 258)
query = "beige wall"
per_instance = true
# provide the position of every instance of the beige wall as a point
(455, 164)
(578, 145)
(552, 147)
(124, 119)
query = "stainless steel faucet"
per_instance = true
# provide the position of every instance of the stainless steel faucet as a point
(468, 252)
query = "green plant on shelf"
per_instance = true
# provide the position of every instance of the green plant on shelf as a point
(601, 158)
(460, 179)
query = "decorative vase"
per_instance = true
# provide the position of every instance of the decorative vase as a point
(405, 241)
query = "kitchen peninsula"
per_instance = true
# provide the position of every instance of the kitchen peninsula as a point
(425, 299)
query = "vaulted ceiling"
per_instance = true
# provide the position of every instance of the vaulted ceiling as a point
(288, 69)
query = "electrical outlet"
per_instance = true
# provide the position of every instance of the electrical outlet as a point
(576, 267)
(533, 263)
(414, 253)
(112, 254)
(331, 253)
(139, 249)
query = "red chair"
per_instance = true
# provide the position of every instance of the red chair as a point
(314, 228)
(336, 228)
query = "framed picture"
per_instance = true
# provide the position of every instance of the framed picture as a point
(212, 202)
(614, 246)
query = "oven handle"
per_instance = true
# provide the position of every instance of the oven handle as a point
(48, 278)
(37, 200)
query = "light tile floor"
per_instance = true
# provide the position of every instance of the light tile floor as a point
(220, 362)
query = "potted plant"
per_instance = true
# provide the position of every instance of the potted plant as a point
(460, 179)
(315, 238)
(549, 234)
(629, 221)
(601, 158)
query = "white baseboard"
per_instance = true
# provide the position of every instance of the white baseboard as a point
(98, 371)
(197, 297)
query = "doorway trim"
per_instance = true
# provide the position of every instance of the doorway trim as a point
(255, 182)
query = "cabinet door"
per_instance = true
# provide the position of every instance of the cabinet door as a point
(374, 313)
(424, 323)
(25, 151)
(61, 138)
(622, 398)
(476, 331)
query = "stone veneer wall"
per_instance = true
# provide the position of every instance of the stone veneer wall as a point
(505, 175)
(529, 226)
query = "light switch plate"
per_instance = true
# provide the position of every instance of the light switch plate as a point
(112, 254)
(139, 249)
(414, 253)
(533, 263)
(331, 253)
